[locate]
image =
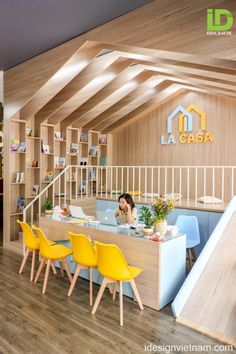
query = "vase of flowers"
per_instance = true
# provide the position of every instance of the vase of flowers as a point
(161, 207)
(146, 217)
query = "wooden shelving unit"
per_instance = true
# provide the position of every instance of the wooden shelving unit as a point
(50, 148)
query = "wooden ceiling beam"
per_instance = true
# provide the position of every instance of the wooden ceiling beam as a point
(83, 56)
(95, 67)
(87, 87)
(132, 105)
(131, 90)
(127, 100)
(145, 108)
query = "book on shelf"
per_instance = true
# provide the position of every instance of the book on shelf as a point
(22, 146)
(83, 186)
(59, 162)
(35, 190)
(20, 177)
(28, 131)
(74, 148)
(93, 150)
(103, 139)
(45, 148)
(20, 204)
(92, 176)
(83, 161)
(84, 137)
(58, 136)
(103, 161)
(14, 144)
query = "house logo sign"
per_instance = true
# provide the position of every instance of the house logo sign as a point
(185, 134)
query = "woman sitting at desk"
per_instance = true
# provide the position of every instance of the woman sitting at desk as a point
(127, 212)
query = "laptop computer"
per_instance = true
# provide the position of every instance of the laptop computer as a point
(107, 218)
(77, 212)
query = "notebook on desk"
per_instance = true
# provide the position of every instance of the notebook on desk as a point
(77, 212)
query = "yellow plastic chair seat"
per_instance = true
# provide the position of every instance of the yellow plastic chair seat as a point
(57, 252)
(51, 243)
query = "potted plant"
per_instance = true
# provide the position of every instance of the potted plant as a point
(161, 207)
(48, 207)
(147, 217)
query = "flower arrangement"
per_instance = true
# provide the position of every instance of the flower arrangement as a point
(161, 207)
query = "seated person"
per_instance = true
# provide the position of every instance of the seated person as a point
(126, 212)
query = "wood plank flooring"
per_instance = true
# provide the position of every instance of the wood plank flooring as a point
(34, 323)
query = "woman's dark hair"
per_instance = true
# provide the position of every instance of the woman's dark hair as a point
(128, 199)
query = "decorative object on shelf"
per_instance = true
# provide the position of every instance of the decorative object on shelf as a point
(48, 175)
(22, 146)
(20, 205)
(62, 162)
(58, 136)
(103, 161)
(14, 144)
(147, 218)
(35, 163)
(20, 177)
(83, 161)
(48, 207)
(84, 137)
(161, 207)
(28, 131)
(103, 139)
(74, 148)
(35, 190)
(93, 150)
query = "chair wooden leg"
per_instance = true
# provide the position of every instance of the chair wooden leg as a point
(32, 266)
(27, 252)
(61, 269)
(74, 280)
(110, 288)
(39, 269)
(190, 258)
(67, 270)
(194, 254)
(121, 303)
(91, 286)
(53, 268)
(114, 292)
(136, 293)
(99, 295)
(46, 276)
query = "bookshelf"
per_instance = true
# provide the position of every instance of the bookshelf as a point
(48, 150)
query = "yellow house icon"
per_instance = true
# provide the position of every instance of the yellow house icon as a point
(190, 108)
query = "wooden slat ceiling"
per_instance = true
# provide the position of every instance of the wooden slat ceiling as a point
(102, 86)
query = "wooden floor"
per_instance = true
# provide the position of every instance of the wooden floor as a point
(33, 323)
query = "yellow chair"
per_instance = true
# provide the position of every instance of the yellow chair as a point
(31, 243)
(115, 269)
(50, 254)
(85, 257)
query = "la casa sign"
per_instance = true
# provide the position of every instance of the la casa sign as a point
(185, 133)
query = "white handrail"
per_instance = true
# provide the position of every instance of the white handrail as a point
(189, 181)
